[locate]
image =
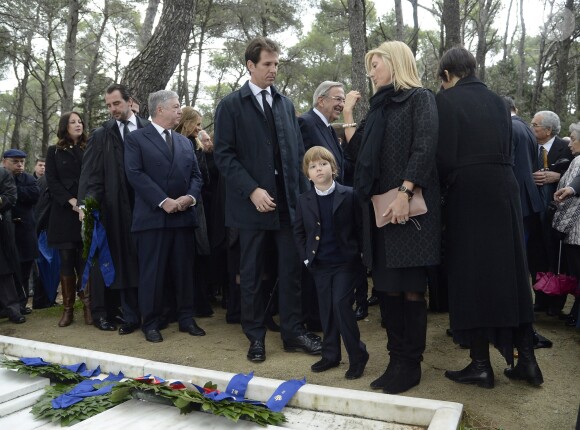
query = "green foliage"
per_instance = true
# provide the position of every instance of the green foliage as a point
(91, 205)
(52, 371)
(86, 408)
(191, 400)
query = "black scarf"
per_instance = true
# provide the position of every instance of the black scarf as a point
(367, 170)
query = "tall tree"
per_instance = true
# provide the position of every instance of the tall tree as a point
(452, 24)
(565, 36)
(358, 45)
(522, 53)
(147, 27)
(151, 70)
(400, 26)
(70, 51)
(486, 34)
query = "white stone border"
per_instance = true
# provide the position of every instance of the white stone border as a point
(437, 415)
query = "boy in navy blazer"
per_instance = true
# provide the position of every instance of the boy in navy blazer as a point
(328, 236)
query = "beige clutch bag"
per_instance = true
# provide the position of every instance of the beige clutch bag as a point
(382, 201)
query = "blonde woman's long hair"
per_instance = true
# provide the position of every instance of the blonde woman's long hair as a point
(399, 58)
(189, 118)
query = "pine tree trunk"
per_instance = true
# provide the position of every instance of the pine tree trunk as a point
(70, 48)
(153, 67)
(358, 42)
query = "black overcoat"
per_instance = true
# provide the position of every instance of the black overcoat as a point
(407, 153)
(245, 156)
(8, 253)
(103, 178)
(24, 218)
(63, 170)
(487, 272)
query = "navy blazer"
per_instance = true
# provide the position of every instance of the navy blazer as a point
(347, 223)
(525, 153)
(156, 174)
(316, 133)
(245, 156)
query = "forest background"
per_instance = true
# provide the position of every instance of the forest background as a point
(60, 55)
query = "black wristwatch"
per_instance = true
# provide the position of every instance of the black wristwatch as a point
(407, 191)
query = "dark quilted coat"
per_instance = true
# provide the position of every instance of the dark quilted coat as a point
(407, 152)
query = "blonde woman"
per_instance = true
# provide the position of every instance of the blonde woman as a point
(398, 151)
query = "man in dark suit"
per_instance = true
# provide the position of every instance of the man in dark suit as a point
(542, 245)
(103, 179)
(315, 125)
(8, 254)
(162, 168)
(525, 161)
(24, 220)
(259, 150)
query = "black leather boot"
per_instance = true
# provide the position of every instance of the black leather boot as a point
(394, 326)
(527, 368)
(407, 371)
(479, 371)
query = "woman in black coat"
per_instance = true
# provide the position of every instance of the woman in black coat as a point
(398, 151)
(489, 292)
(63, 170)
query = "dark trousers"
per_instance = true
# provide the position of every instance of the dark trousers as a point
(105, 301)
(8, 295)
(22, 289)
(252, 247)
(161, 251)
(335, 287)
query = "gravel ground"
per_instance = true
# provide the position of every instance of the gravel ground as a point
(510, 405)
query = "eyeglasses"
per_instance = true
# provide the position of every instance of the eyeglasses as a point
(337, 99)
(534, 125)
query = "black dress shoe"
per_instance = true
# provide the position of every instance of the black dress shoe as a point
(17, 319)
(128, 328)
(303, 343)
(313, 336)
(355, 370)
(257, 351)
(540, 341)
(361, 312)
(373, 300)
(193, 329)
(324, 364)
(478, 372)
(153, 336)
(105, 325)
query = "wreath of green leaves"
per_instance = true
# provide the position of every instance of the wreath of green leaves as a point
(186, 400)
(91, 205)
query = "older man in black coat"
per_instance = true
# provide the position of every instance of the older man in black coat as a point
(103, 178)
(24, 220)
(8, 254)
(259, 150)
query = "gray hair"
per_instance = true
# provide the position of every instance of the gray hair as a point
(159, 98)
(323, 90)
(575, 128)
(550, 120)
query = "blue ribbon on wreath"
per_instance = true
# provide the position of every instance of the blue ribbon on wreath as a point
(236, 391)
(99, 243)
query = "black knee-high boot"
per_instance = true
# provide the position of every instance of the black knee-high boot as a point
(527, 367)
(407, 373)
(479, 371)
(394, 325)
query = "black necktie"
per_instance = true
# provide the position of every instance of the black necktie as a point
(126, 130)
(168, 140)
(267, 109)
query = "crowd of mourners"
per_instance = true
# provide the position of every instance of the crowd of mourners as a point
(148, 221)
